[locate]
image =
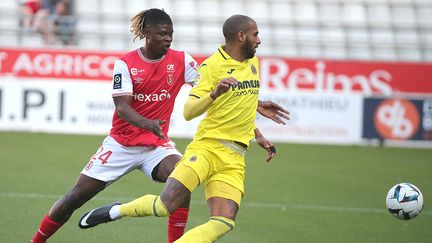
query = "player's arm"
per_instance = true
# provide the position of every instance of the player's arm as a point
(122, 90)
(196, 106)
(128, 114)
(273, 111)
(266, 144)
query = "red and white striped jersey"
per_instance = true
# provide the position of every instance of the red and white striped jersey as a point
(154, 85)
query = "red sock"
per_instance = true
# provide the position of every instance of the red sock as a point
(47, 228)
(177, 224)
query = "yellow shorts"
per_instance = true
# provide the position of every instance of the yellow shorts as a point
(220, 168)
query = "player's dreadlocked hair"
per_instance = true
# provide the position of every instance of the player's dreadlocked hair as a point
(147, 18)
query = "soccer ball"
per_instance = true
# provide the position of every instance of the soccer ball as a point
(404, 201)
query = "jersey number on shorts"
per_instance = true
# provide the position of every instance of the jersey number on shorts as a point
(103, 157)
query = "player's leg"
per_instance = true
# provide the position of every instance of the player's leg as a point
(173, 195)
(166, 166)
(110, 162)
(223, 191)
(148, 205)
(223, 201)
(84, 189)
(177, 220)
(176, 192)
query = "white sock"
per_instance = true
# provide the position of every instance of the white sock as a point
(115, 212)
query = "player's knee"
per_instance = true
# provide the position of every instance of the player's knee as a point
(175, 195)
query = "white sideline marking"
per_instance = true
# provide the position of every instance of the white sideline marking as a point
(283, 207)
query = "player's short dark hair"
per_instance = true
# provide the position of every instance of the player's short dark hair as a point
(235, 24)
(147, 18)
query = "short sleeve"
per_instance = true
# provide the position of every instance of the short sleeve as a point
(204, 83)
(121, 82)
(191, 69)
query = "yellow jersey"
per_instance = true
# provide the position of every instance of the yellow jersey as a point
(232, 115)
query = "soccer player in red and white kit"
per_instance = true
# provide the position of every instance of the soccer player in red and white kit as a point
(145, 83)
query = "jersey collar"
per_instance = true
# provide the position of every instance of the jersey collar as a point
(223, 53)
(228, 57)
(149, 60)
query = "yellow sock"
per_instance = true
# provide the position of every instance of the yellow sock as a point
(216, 227)
(144, 206)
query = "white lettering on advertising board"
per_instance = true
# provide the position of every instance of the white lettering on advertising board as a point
(278, 73)
(316, 118)
(86, 107)
(65, 107)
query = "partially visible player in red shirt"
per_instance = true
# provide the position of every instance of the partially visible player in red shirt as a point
(145, 84)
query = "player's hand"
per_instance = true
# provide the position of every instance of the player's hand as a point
(266, 144)
(154, 126)
(222, 87)
(273, 111)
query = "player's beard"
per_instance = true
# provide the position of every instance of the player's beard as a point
(248, 49)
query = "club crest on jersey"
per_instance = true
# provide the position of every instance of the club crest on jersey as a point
(170, 74)
(117, 81)
(193, 158)
(170, 79)
(253, 69)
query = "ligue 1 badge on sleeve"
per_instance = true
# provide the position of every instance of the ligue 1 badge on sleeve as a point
(197, 79)
(253, 69)
(117, 81)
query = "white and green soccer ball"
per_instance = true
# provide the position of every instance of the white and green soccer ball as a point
(404, 201)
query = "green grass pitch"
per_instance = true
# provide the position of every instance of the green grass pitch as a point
(308, 193)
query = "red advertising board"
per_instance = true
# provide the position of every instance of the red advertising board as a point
(56, 63)
(381, 78)
(277, 73)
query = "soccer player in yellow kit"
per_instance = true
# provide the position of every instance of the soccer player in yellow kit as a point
(227, 89)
